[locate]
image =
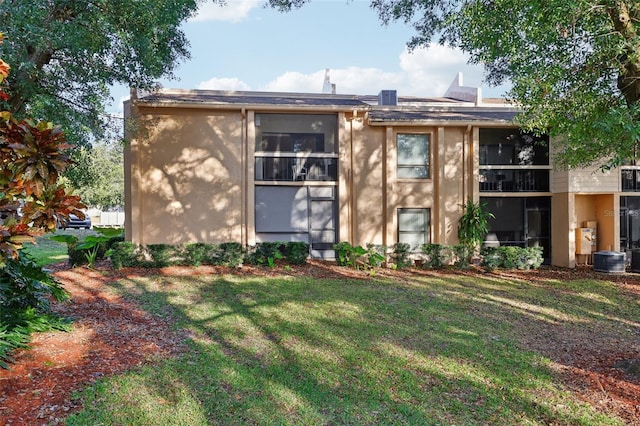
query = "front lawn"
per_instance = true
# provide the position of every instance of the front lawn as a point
(426, 349)
(45, 251)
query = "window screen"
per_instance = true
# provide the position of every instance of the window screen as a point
(414, 227)
(413, 156)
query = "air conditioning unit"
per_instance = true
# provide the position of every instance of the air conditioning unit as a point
(388, 97)
(608, 261)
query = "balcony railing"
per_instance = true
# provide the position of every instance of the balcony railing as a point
(630, 180)
(292, 169)
(514, 180)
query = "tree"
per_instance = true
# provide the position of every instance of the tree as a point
(32, 158)
(98, 175)
(574, 64)
(68, 52)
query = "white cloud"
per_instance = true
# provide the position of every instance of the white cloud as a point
(224, 84)
(232, 11)
(423, 72)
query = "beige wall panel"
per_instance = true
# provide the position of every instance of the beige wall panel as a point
(191, 177)
(594, 181)
(451, 188)
(559, 181)
(409, 193)
(563, 225)
(367, 161)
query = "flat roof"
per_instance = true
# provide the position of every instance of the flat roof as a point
(474, 114)
(213, 97)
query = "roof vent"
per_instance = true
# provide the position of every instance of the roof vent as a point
(388, 97)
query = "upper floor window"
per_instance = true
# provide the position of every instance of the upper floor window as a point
(513, 161)
(511, 146)
(299, 133)
(296, 147)
(413, 156)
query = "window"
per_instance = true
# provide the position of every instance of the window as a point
(413, 156)
(513, 161)
(414, 227)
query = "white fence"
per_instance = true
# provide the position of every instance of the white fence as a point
(99, 218)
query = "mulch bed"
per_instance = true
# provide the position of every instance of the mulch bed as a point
(112, 335)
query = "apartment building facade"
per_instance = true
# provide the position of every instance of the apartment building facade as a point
(210, 166)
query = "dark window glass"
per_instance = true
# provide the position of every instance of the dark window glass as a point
(510, 146)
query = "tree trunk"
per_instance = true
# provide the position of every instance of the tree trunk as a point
(624, 19)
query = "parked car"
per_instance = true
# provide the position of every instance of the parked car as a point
(76, 222)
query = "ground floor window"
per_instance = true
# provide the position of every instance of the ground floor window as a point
(414, 227)
(520, 221)
(298, 213)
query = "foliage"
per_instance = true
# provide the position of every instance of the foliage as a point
(230, 254)
(70, 52)
(26, 291)
(474, 224)
(265, 254)
(127, 254)
(296, 252)
(573, 65)
(376, 255)
(32, 158)
(433, 256)
(94, 247)
(511, 257)
(401, 253)
(98, 175)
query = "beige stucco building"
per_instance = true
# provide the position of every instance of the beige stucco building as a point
(212, 166)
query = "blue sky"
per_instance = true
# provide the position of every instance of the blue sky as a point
(245, 46)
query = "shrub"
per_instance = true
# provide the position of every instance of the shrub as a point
(462, 255)
(474, 224)
(509, 257)
(491, 258)
(265, 253)
(124, 254)
(376, 255)
(296, 252)
(26, 291)
(434, 254)
(163, 255)
(229, 254)
(401, 254)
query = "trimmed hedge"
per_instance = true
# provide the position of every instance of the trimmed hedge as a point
(126, 254)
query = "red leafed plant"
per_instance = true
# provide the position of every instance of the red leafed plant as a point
(32, 158)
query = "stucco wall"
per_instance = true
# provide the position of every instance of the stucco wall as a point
(585, 180)
(187, 175)
(366, 190)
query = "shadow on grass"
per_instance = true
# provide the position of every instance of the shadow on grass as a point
(288, 350)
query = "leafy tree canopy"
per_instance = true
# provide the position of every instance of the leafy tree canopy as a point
(66, 53)
(98, 175)
(574, 64)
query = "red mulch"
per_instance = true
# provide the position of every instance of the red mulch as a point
(112, 335)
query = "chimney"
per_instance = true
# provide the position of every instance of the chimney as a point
(388, 97)
(326, 87)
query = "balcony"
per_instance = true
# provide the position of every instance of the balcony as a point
(296, 168)
(514, 180)
(630, 180)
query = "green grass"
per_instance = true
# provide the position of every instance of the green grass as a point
(45, 251)
(430, 351)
